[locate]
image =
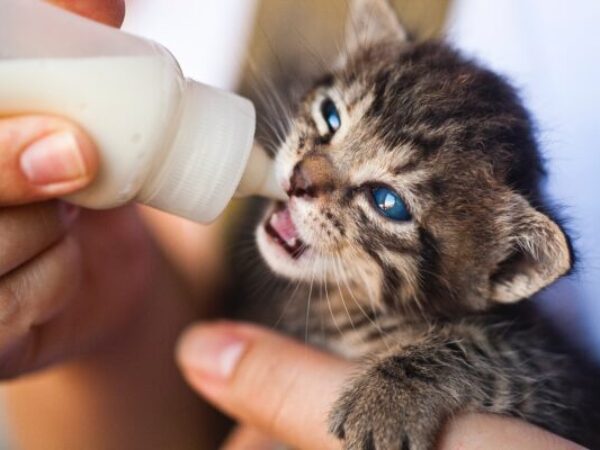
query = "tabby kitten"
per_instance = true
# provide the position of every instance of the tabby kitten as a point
(415, 224)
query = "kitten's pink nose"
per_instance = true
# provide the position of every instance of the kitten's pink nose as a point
(312, 176)
(300, 183)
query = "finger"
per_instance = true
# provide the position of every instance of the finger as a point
(248, 438)
(30, 297)
(275, 385)
(264, 380)
(493, 432)
(26, 231)
(110, 12)
(43, 157)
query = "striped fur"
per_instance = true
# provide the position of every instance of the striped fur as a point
(429, 305)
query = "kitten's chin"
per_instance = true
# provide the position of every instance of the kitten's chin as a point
(280, 244)
(277, 258)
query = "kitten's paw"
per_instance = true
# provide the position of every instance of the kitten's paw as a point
(394, 405)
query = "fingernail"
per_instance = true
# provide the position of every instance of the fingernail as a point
(214, 354)
(54, 159)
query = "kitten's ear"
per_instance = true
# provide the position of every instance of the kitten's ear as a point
(538, 252)
(371, 21)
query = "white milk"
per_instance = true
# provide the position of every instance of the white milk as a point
(122, 102)
(164, 140)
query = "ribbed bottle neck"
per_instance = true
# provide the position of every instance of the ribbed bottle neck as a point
(204, 163)
(260, 177)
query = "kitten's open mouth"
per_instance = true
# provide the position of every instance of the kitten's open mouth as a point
(281, 228)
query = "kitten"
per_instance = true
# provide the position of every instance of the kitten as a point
(415, 227)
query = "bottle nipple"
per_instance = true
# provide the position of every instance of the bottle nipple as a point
(259, 177)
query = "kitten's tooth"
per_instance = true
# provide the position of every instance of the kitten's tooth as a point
(273, 219)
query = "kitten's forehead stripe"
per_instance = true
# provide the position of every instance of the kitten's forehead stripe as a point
(326, 81)
(406, 167)
(356, 94)
(428, 145)
(436, 186)
(450, 101)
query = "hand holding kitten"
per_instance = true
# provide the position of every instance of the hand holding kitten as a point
(278, 389)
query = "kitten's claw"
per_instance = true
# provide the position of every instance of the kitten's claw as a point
(381, 412)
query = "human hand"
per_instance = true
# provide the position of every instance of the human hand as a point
(67, 276)
(110, 12)
(282, 391)
(69, 279)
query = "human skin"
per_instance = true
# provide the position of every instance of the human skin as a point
(90, 308)
(279, 389)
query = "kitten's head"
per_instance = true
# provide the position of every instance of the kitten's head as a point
(414, 174)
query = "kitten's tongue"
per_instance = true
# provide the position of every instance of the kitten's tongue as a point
(282, 223)
(282, 230)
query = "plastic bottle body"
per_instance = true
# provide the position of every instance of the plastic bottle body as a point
(129, 128)
(169, 142)
(123, 90)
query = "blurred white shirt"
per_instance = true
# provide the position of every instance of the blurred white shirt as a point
(208, 38)
(550, 49)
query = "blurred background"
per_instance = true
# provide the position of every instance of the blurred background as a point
(550, 49)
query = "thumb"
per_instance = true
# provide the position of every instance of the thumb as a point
(110, 12)
(43, 157)
(278, 387)
(264, 380)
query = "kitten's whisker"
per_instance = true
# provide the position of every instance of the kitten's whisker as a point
(364, 313)
(337, 278)
(448, 287)
(278, 106)
(331, 310)
(258, 283)
(370, 295)
(274, 123)
(374, 309)
(312, 279)
(269, 99)
(338, 275)
(288, 302)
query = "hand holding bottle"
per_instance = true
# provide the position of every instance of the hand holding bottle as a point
(161, 139)
(89, 294)
(68, 278)
(164, 140)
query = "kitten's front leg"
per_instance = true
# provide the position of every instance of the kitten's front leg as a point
(402, 399)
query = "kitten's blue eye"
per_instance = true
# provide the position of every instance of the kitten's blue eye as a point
(390, 204)
(331, 115)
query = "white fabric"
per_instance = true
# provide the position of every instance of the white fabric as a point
(551, 50)
(208, 37)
